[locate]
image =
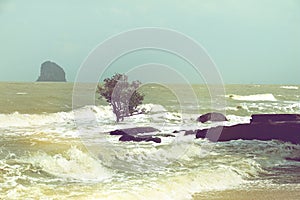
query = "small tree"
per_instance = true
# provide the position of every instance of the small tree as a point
(121, 95)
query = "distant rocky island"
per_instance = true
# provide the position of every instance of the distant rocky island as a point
(51, 72)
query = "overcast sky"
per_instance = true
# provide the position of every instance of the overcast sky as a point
(251, 41)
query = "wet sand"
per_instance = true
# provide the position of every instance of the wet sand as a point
(256, 194)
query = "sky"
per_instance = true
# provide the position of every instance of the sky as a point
(250, 41)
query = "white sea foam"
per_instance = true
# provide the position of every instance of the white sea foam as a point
(72, 164)
(151, 108)
(254, 97)
(26, 120)
(21, 93)
(86, 114)
(222, 172)
(233, 119)
(288, 107)
(289, 87)
(176, 187)
(192, 170)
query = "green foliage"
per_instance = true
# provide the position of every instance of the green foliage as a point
(122, 95)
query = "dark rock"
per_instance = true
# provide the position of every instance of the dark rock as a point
(271, 118)
(178, 131)
(294, 159)
(131, 134)
(117, 132)
(287, 132)
(133, 131)
(50, 71)
(213, 116)
(189, 132)
(165, 135)
(154, 139)
(126, 138)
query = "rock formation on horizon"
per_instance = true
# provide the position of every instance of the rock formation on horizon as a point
(51, 72)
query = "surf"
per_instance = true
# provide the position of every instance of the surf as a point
(254, 97)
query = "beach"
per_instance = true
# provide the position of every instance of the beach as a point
(251, 194)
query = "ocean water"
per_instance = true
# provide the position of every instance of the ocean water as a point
(49, 151)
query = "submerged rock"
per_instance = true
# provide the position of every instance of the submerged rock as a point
(190, 132)
(267, 127)
(213, 117)
(132, 134)
(293, 159)
(51, 72)
(165, 135)
(127, 138)
(133, 131)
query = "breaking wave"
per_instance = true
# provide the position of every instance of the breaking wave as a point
(289, 87)
(254, 97)
(72, 164)
(100, 113)
(175, 169)
(195, 171)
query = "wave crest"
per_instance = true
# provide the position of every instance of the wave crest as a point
(254, 97)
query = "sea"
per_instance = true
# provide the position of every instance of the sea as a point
(50, 150)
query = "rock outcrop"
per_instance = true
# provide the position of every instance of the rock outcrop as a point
(127, 138)
(51, 72)
(264, 118)
(133, 134)
(133, 131)
(213, 117)
(284, 127)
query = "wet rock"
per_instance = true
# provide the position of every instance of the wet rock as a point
(132, 134)
(165, 135)
(133, 131)
(262, 129)
(190, 132)
(294, 159)
(127, 138)
(213, 117)
(271, 118)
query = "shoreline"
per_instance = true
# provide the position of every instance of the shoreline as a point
(270, 193)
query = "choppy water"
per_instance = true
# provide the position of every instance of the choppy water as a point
(46, 154)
